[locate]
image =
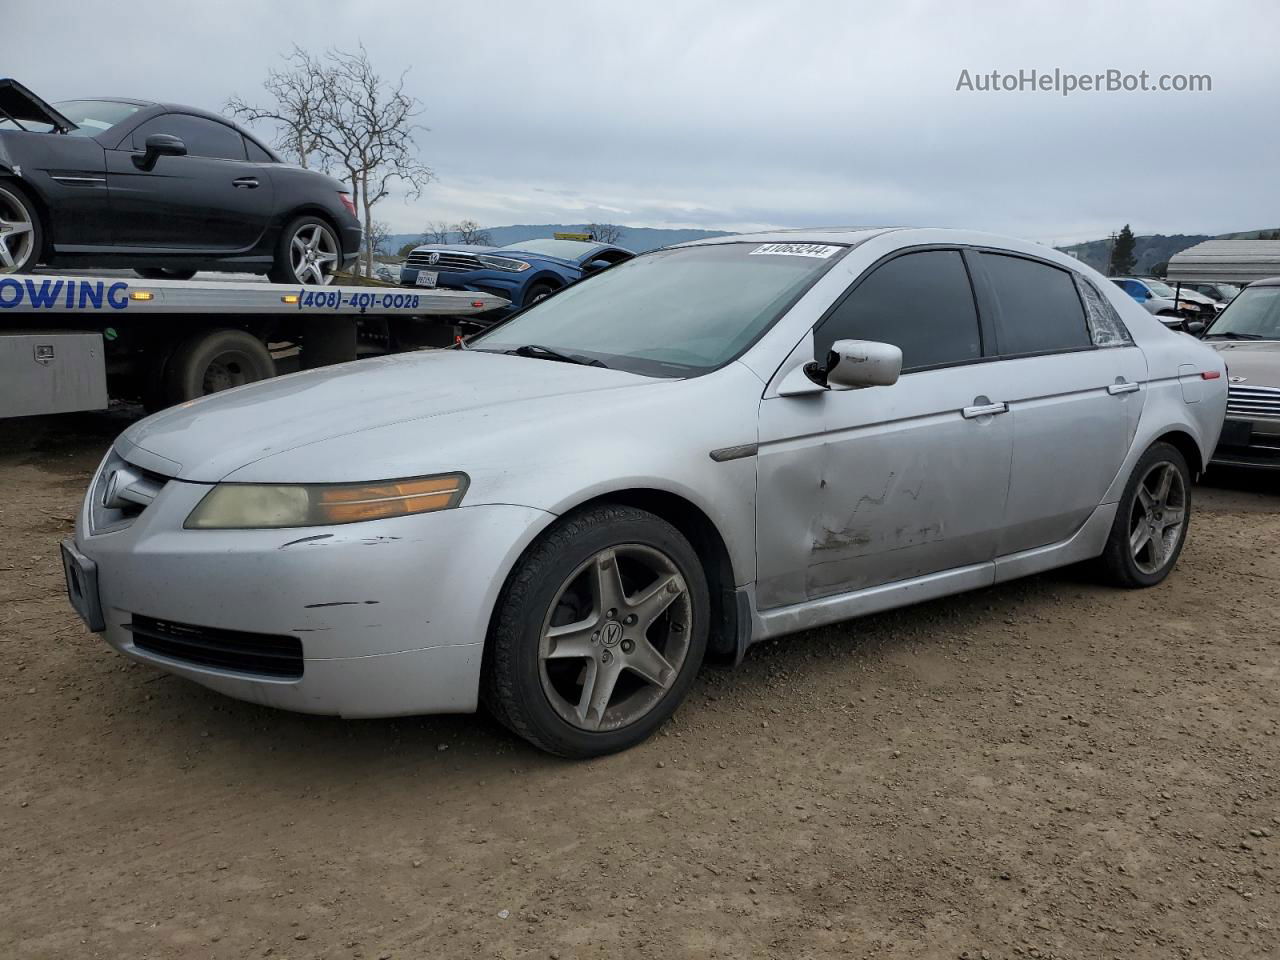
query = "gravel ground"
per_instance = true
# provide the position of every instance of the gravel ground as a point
(1044, 769)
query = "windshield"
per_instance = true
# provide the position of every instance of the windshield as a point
(91, 117)
(672, 313)
(1158, 288)
(1253, 315)
(563, 249)
(1223, 291)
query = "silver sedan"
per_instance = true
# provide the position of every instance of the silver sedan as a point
(688, 453)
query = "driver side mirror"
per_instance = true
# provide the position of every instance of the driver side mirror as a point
(854, 364)
(159, 145)
(1194, 327)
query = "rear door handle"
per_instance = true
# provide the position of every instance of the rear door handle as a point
(249, 183)
(1123, 386)
(984, 409)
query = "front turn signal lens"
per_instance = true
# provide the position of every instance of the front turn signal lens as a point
(241, 506)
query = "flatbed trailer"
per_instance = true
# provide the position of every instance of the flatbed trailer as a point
(72, 343)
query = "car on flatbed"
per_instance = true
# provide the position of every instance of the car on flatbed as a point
(523, 272)
(161, 188)
(698, 449)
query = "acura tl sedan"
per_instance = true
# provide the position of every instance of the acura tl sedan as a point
(693, 451)
(163, 189)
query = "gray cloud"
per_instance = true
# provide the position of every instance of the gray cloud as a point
(743, 114)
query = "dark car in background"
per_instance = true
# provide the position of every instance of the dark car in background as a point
(164, 189)
(522, 272)
(1247, 335)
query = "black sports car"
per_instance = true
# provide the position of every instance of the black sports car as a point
(164, 189)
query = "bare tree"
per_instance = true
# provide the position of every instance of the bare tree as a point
(469, 231)
(339, 109)
(605, 232)
(297, 91)
(436, 232)
(376, 235)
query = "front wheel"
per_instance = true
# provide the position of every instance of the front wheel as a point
(1151, 520)
(539, 291)
(598, 633)
(21, 232)
(307, 253)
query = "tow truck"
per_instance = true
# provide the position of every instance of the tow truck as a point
(71, 343)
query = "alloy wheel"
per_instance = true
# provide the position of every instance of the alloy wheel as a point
(616, 637)
(313, 252)
(17, 232)
(1158, 516)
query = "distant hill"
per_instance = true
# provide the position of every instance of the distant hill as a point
(1154, 249)
(638, 239)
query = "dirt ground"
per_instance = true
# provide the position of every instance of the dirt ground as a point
(1044, 769)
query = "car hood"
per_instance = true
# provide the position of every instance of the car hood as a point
(20, 103)
(451, 397)
(1253, 363)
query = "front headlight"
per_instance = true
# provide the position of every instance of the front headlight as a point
(239, 506)
(503, 263)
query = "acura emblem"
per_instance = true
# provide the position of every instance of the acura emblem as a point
(611, 633)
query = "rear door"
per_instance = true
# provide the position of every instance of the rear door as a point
(1074, 383)
(213, 199)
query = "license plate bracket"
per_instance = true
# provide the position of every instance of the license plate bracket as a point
(82, 586)
(427, 278)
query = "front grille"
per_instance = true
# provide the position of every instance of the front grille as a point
(1253, 403)
(261, 654)
(448, 262)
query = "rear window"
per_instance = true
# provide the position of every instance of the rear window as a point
(1040, 310)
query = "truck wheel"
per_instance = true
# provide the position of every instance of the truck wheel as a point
(213, 361)
(21, 233)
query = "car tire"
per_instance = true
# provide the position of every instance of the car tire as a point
(163, 273)
(590, 564)
(291, 265)
(22, 234)
(213, 361)
(539, 291)
(1151, 521)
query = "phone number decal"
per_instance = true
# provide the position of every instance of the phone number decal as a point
(359, 301)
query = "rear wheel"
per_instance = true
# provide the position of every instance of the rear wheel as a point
(213, 361)
(598, 634)
(307, 253)
(1151, 520)
(21, 232)
(164, 273)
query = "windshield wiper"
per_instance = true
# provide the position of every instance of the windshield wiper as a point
(1232, 335)
(539, 352)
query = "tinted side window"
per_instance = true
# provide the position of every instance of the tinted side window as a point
(204, 138)
(920, 302)
(256, 153)
(1040, 309)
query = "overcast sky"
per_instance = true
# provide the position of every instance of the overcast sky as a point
(736, 114)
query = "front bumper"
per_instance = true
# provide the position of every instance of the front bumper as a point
(1249, 443)
(391, 614)
(509, 286)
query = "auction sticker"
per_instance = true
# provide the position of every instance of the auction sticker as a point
(819, 250)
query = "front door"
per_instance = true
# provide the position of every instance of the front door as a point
(866, 487)
(213, 199)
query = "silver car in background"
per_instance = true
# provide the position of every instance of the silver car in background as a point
(701, 448)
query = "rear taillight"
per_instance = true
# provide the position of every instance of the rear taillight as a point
(348, 203)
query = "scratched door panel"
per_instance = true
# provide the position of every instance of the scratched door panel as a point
(864, 487)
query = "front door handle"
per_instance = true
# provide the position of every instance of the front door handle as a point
(248, 183)
(984, 408)
(1123, 386)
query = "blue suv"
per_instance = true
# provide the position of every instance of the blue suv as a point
(522, 272)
